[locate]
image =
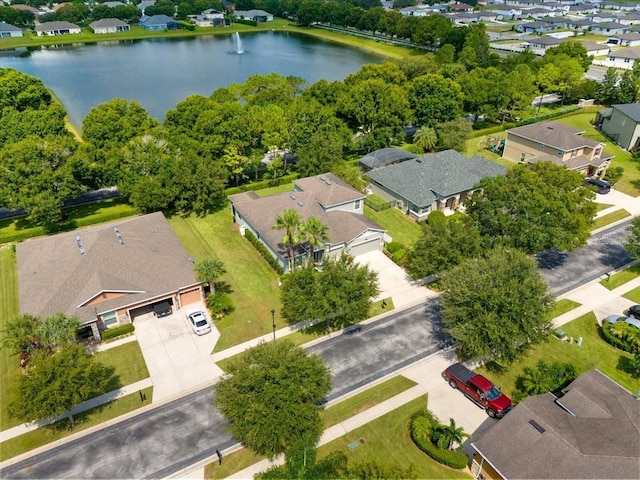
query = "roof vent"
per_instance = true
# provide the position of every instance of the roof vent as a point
(292, 196)
(300, 203)
(118, 235)
(537, 426)
(418, 160)
(80, 245)
(328, 182)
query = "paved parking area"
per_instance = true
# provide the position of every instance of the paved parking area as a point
(178, 360)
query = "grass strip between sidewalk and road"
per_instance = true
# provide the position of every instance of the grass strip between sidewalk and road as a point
(633, 295)
(621, 277)
(333, 415)
(609, 218)
(90, 418)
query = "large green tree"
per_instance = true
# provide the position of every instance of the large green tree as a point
(272, 394)
(56, 382)
(340, 294)
(495, 306)
(443, 245)
(534, 208)
(435, 99)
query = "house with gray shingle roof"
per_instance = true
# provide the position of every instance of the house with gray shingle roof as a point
(57, 28)
(325, 197)
(621, 123)
(255, 15)
(108, 274)
(109, 25)
(158, 22)
(439, 181)
(592, 431)
(7, 30)
(557, 143)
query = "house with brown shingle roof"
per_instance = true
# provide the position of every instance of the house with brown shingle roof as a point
(591, 432)
(325, 197)
(107, 275)
(557, 143)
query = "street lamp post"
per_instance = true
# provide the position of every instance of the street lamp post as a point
(273, 322)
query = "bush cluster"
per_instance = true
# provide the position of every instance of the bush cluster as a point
(397, 252)
(248, 234)
(117, 331)
(244, 21)
(451, 458)
(220, 304)
(622, 335)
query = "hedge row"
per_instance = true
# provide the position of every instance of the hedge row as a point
(244, 21)
(117, 331)
(451, 458)
(627, 343)
(266, 254)
(527, 121)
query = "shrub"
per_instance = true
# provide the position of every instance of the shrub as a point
(613, 174)
(220, 304)
(187, 26)
(393, 247)
(622, 336)
(273, 263)
(399, 256)
(420, 434)
(244, 21)
(117, 331)
(436, 218)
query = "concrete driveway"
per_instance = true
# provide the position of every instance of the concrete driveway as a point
(394, 281)
(178, 360)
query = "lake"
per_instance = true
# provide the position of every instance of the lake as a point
(158, 73)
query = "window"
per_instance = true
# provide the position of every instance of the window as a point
(560, 153)
(542, 146)
(597, 152)
(574, 153)
(109, 318)
(356, 205)
(523, 156)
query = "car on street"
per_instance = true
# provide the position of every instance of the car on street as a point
(633, 311)
(600, 186)
(198, 321)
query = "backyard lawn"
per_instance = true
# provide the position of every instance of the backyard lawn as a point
(594, 353)
(398, 225)
(630, 181)
(254, 285)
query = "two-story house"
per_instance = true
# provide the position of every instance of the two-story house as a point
(557, 143)
(621, 123)
(325, 197)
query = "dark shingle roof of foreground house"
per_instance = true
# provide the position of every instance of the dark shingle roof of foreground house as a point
(55, 276)
(592, 432)
(439, 175)
(57, 25)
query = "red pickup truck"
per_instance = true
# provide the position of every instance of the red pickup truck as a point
(478, 389)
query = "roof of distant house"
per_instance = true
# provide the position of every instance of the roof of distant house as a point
(160, 19)
(113, 4)
(28, 8)
(61, 5)
(554, 134)
(108, 22)
(7, 27)
(46, 26)
(55, 276)
(252, 13)
(385, 156)
(439, 175)
(544, 40)
(592, 432)
(625, 53)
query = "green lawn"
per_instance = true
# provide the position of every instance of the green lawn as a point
(265, 192)
(61, 429)
(603, 206)
(331, 416)
(387, 439)
(476, 146)
(562, 306)
(19, 229)
(633, 295)
(609, 218)
(630, 181)
(253, 284)
(621, 277)
(9, 308)
(398, 225)
(594, 353)
(128, 362)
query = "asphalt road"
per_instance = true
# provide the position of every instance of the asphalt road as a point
(171, 437)
(603, 253)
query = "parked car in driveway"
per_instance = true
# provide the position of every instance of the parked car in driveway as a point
(198, 321)
(633, 311)
(600, 186)
(621, 318)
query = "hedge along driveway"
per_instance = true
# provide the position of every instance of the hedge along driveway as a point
(254, 285)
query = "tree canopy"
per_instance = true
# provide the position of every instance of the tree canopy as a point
(495, 306)
(534, 208)
(271, 394)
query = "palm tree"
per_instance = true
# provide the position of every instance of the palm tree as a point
(294, 231)
(317, 234)
(535, 381)
(209, 270)
(450, 435)
(425, 138)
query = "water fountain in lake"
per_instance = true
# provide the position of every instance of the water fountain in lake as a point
(238, 43)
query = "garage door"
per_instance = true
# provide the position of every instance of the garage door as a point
(365, 247)
(190, 297)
